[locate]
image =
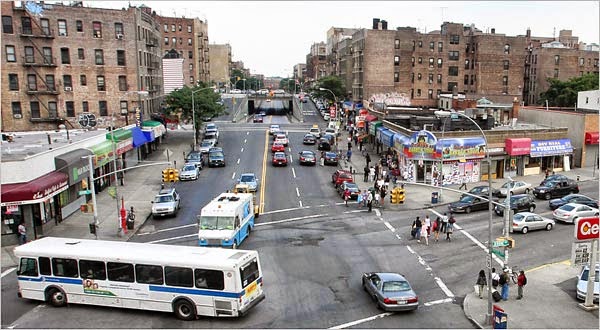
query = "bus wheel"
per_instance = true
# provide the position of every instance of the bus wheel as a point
(57, 298)
(184, 310)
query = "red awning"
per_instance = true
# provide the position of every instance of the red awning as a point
(34, 191)
(519, 146)
(591, 137)
(370, 118)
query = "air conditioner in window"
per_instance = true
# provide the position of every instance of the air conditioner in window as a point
(62, 34)
(18, 116)
(68, 89)
(119, 36)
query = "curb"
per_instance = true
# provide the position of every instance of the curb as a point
(469, 317)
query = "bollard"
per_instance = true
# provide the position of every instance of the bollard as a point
(577, 177)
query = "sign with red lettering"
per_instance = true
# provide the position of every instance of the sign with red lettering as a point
(587, 228)
(332, 111)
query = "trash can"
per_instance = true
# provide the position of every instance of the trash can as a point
(434, 198)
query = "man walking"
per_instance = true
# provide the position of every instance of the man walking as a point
(504, 284)
(368, 159)
(22, 233)
(366, 174)
(463, 183)
(370, 201)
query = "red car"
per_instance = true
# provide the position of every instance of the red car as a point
(278, 147)
(340, 176)
(279, 159)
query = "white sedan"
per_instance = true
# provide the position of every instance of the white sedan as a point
(514, 188)
(281, 138)
(570, 212)
(189, 172)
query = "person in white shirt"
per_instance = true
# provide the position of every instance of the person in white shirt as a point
(427, 223)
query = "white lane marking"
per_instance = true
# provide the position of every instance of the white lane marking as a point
(410, 249)
(355, 211)
(443, 287)
(8, 271)
(300, 202)
(247, 133)
(294, 174)
(291, 158)
(290, 149)
(297, 192)
(242, 150)
(423, 262)
(398, 237)
(233, 176)
(245, 140)
(387, 224)
(377, 212)
(436, 302)
(290, 219)
(287, 210)
(173, 238)
(353, 323)
(167, 229)
(238, 162)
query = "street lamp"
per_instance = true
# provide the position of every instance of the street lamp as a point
(335, 98)
(194, 113)
(490, 213)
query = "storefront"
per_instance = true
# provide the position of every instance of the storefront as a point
(551, 155)
(138, 141)
(517, 150)
(124, 140)
(461, 160)
(156, 127)
(77, 169)
(103, 164)
(35, 202)
(421, 156)
(591, 150)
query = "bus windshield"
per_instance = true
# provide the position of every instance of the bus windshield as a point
(216, 223)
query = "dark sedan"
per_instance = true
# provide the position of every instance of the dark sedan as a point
(309, 139)
(481, 191)
(353, 187)
(390, 291)
(468, 203)
(573, 198)
(518, 203)
(331, 158)
(307, 157)
(324, 145)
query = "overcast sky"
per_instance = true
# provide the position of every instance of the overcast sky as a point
(270, 37)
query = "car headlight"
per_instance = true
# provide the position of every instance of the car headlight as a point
(542, 191)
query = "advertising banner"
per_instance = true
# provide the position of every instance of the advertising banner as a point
(468, 148)
(550, 148)
(421, 145)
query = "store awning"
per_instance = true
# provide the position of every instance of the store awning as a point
(139, 138)
(157, 127)
(72, 164)
(119, 135)
(387, 137)
(546, 148)
(149, 135)
(370, 118)
(591, 137)
(518, 146)
(373, 127)
(103, 152)
(34, 191)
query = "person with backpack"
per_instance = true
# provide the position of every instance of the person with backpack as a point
(450, 227)
(495, 278)
(521, 282)
(481, 282)
(504, 284)
(418, 226)
(436, 228)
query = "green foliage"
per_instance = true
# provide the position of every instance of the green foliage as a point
(333, 83)
(287, 84)
(564, 93)
(205, 102)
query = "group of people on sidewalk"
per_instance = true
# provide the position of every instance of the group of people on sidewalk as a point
(502, 280)
(422, 229)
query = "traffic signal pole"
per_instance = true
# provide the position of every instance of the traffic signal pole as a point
(92, 187)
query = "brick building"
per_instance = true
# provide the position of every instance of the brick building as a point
(189, 37)
(316, 62)
(220, 63)
(300, 71)
(62, 61)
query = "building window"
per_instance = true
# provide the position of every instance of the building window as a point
(120, 57)
(167, 42)
(83, 80)
(189, 29)
(466, 64)
(64, 56)
(67, 82)
(80, 54)
(7, 25)
(430, 78)
(97, 27)
(122, 83)
(85, 106)
(166, 27)
(420, 60)
(555, 73)
(26, 25)
(504, 80)
(62, 27)
(430, 94)
(418, 92)
(29, 55)
(32, 82)
(190, 54)
(413, 61)
(396, 60)
(453, 71)
(454, 39)
(181, 41)
(79, 26)
(431, 62)
(102, 108)
(581, 61)
(101, 83)
(396, 77)
(34, 107)
(47, 51)
(440, 46)
(507, 49)
(439, 78)
(452, 85)
(13, 82)
(466, 80)
(432, 45)
(191, 67)
(191, 79)
(123, 105)
(189, 41)
(473, 78)
(420, 44)
(453, 55)
(180, 27)
(174, 41)
(556, 59)
(440, 62)
(50, 84)
(16, 109)
(119, 30)
(419, 76)
(412, 77)
(172, 27)
(52, 110)
(397, 44)
(45, 25)
(595, 63)
(99, 56)
(10, 54)
(70, 107)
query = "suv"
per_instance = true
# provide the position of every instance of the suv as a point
(518, 203)
(195, 157)
(167, 202)
(216, 158)
(558, 188)
(340, 176)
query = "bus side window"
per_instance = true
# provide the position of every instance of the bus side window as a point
(209, 279)
(28, 267)
(149, 274)
(179, 276)
(120, 272)
(45, 268)
(64, 267)
(93, 270)
(237, 221)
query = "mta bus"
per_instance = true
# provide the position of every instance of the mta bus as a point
(226, 220)
(189, 281)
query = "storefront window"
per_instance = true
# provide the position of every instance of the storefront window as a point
(11, 217)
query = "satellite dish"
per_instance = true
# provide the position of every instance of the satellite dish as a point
(87, 120)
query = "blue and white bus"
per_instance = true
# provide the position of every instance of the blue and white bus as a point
(227, 220)
(187, 280)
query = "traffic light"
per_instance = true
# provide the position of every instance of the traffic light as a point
(394, 196)
(93, 228)
(175, 175)
(511, 242)
(171, 175)
(401, 195)
(165, 175)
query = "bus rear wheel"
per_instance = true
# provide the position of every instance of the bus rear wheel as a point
(57, 297)
(184, 310)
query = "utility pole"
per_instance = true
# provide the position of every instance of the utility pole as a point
(92, 187)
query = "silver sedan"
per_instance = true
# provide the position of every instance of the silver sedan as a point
(526, 221)
(390, 291)
(570, 212)
(514, 188)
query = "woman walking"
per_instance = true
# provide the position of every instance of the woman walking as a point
(437, 224)
(481, 282)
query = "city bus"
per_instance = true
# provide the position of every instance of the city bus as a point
(189, 281)
(226, 220)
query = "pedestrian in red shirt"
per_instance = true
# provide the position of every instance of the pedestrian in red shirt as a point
(346, 196)
(521, 282)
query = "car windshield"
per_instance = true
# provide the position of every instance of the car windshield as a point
(163, 199)
(307, 154)
(586, 273)
(548, 184)
(518, 217)
(477, 190)
(247, 178)
(508, 184)
(189, 168)
(567, 207)
(345, 175)
(352, 186)
(194, 156)
(216, 223)
(216, 154)
(331, 154)
(394, 286)
(467, 199)
(206, 143)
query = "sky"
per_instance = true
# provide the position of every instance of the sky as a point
(270, 37)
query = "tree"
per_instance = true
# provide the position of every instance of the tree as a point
(333, 83)
(564, 93)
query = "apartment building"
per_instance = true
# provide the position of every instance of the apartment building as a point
(220, 63)
(300, 72)
(189, 38)
(65, 60)
(334, 36)
(316, 61)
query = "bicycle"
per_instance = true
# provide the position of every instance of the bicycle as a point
(513, 274)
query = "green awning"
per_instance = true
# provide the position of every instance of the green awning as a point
(151, 123)
(373, 127)
(119, 134)
(103, 152)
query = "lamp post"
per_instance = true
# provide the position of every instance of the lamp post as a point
(335, 98)
(490, 212)
(194, 113)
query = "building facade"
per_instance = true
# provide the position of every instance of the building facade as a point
(220, 63)
(300, 72)
(316, 62)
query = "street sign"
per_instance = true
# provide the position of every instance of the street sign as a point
(499, 243)
(587, 228)
(84, 192)
(580, 253)
(112, 192)
(498, 253)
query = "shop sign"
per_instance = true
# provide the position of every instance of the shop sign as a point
(50, 190)
(124, 146)
(469, 148)
(550, 148)
(587, 228)
(79, 171)
(518, 146)
(421, 145)
(399, 141)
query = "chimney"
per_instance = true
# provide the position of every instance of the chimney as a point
(516, 106)
(493, 30)
(375, 23)
(528, 33)
(384, 25)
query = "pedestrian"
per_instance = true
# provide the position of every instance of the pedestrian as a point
(463, 183)
(359, 200)
(503, 281)
(418, 227)
(371, 173)
(495, 278)
(481, 282)
(521, 282)
(364, 200)
(383, 194)
(366, 174)
(349, 154)
(428, 224)
(22, 233)
(436, 228)
(376, 171)
(424, 233)
(322, 160)
(346, 196)
(370, 201)
(349, 145)
(368, 159)
(444, 228)
(360, 144)
(450, 227)
(377, 198)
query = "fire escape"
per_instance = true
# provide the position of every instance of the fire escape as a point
(40, 65)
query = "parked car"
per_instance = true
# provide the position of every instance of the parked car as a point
(212, 135)
(582, 282)
(189, 171)
(309, 139)
(553, 177)
(274, 129)
(353, 187)
(340, 176)
(257, 118)
(572, 198)
(514, 188)
(390, 291)
(211, 126)
(250, 180)
(482, 191)
(307, 157)
(468, 203)
(216, 158)
(556, 188)
(570, 212)
(331, 158)
(518, 203)
(195, 157)
(279, 159)
(205, 145)
(167, 202)
(526, 221)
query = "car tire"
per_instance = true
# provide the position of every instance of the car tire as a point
(531, 208)
(525, 230)
(547, 196)
(549, 226)
(468, 210)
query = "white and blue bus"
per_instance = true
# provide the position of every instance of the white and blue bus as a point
(186, 280)
(227, 220)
